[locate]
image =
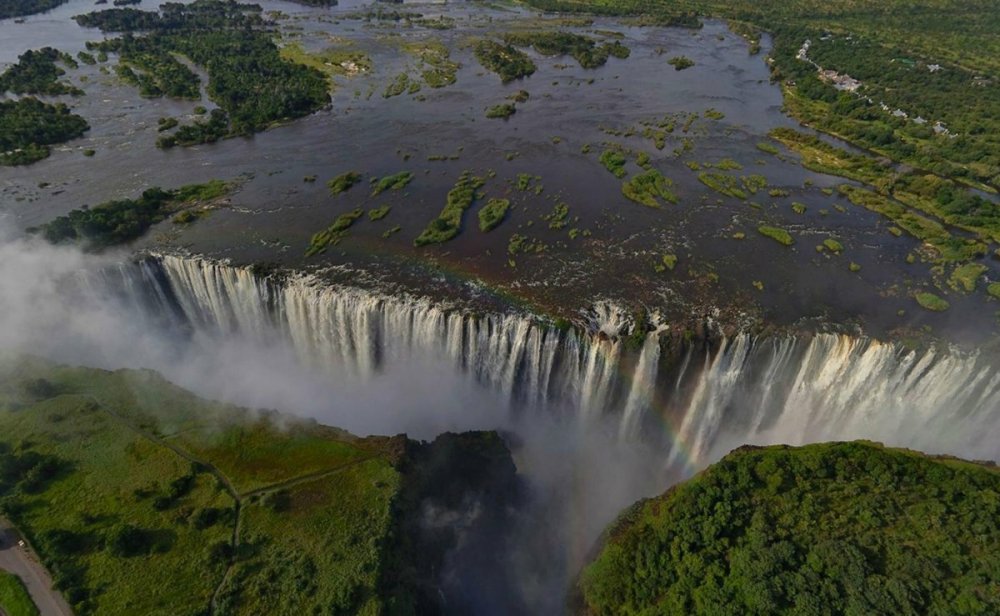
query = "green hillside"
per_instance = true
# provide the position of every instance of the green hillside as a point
(144, 499)
(837, 528)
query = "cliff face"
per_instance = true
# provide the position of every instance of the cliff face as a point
(142, 498)
(834, 528)
(454, 511)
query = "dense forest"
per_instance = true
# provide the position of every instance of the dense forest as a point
(20, 8)
(248, 79)
(836, 528)
(36, 72)
(123, 220)
(28, 127)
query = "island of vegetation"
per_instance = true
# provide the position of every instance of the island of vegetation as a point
(680, 62)
(121, 481)
(583, 49)
(20, 8)
(506, 61)
(28, 127)
(118, 222)
(449, 223)
(36, 72)
(835, 528)
(248, 79)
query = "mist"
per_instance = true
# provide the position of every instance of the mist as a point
(576, 480)
(424, 374)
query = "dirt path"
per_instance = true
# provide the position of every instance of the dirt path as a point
(22, 563)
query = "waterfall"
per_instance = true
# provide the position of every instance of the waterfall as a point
(693, 399)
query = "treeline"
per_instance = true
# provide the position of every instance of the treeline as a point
(123, 220)
(968, 106)
(583, 49)
(835, 528)
(651, 12)
(28, 127)
(20, 8)
(506, 61)
(248, 79)
(159, 74)
(36, 72)
(890, 50)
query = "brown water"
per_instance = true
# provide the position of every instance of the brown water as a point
(275, 213)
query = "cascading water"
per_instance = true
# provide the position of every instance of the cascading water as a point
(598, 415)
(694, 400)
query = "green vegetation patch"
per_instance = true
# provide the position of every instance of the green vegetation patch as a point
(680, 62)
(492, 214)
(777, 234)
(397, 181)
(36, 72)
(332, 235)
(449, 223)
(833, 245)
(965, 277)
(724, 184)
(121, 221)
(379, 213)
(343, 182)
(28, 127)
(14, 597)
(614, 161)
(949, 247)
(20, 8)
(932, 302)
(585, 50)
(438, 69)
(834, 528)
(506, 61)
(253, 85)
(121, 481)
(501, 111)
(648, 188)
(343, 61)
(158, 74)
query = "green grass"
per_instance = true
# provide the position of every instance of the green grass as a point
(449, 223)
(833, 245)
(648, 188)
(770, 148)
(506, 61)
(777, 234)
(948, 247)
(994, 289)
(833, 528)
(680, 62)
(397, 181)
(332, 235)
(14, 597)
(501, 111)
(614, 161)
(127, 486)
(965, 277)
(378, 213)
(117, 437)
(343, 182)
(724, 184)
(930, 301)
(492, 214)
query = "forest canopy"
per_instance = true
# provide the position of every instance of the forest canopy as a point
(834, 528)
(250, 82)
